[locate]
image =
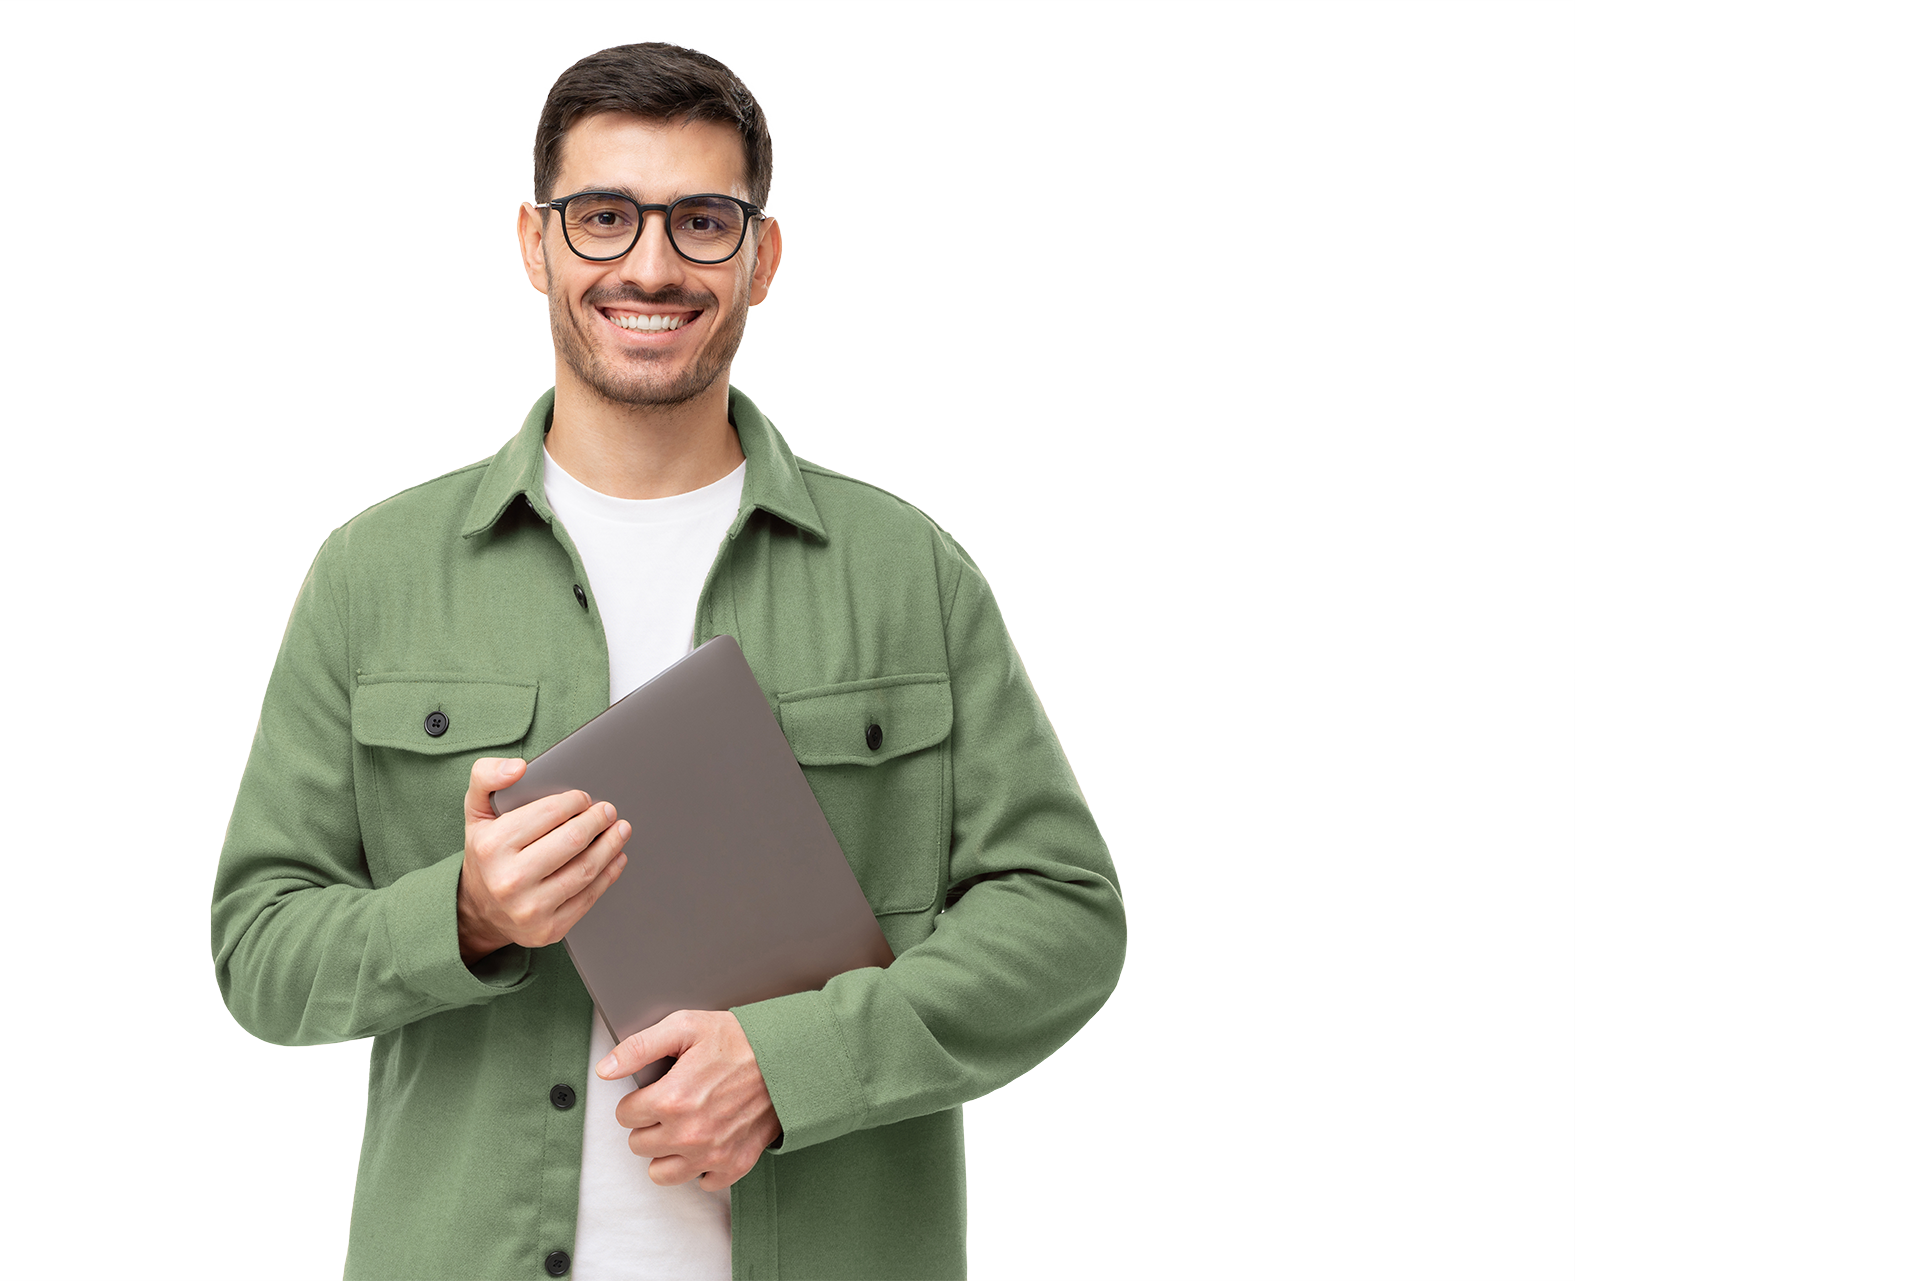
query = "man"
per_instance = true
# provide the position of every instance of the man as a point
(447, 634)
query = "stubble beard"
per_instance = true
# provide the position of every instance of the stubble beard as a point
(637, 377)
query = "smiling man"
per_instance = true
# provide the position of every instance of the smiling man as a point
(448, 634)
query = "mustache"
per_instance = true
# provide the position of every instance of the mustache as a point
(672, 296)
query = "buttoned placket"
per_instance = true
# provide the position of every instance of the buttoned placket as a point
(570, 1036)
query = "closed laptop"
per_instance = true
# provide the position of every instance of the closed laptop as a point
(735, 889)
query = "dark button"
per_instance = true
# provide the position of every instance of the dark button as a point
(579, 594)
(558, 1263)
(873, 738)
(562, 1096)
(437, 725)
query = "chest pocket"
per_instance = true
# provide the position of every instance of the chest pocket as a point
(875, 754)
(420, 734)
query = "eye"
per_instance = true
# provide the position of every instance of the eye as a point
(707, 221)
(601, 216)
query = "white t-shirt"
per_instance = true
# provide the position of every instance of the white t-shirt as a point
(646, 561)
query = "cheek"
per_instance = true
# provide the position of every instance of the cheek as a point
(579, 286)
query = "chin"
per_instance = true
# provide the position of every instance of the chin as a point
(632, 379)
(657, 391)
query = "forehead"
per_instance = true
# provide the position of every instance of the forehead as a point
(654, 159)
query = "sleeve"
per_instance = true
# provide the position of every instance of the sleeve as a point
(1029, 947)
(305, 948)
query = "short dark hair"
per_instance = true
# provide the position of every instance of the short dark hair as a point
(655, 82)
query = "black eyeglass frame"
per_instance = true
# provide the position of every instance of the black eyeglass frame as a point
(747, 207)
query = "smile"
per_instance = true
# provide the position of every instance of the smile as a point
(649, 324)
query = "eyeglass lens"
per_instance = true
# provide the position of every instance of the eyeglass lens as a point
(705, 229)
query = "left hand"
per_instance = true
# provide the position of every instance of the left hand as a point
(710, 1117)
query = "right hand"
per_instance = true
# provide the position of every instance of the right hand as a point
(534, 871)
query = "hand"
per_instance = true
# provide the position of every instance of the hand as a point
(710, 1117)
(534, 871)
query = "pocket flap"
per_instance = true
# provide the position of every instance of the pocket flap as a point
(394, 711)
(867, 722)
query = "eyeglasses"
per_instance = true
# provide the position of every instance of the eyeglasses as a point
(601, 226)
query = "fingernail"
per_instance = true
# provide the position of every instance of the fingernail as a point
(604, 1068)
(625, 829)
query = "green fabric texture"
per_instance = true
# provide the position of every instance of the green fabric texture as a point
(333, 904)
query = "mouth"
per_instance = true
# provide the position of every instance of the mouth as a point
(649, 322)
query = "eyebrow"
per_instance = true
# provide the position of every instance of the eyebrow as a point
(621, 189)
(618, 189)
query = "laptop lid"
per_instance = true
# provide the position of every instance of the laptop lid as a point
(735, 889)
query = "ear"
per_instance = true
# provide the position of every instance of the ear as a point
(766, 261)
(533, 245)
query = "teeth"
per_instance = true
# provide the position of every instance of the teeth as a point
(649, 324)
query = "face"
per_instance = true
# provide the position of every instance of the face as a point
(598, 308)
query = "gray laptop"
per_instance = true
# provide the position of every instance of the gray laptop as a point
(735, 889)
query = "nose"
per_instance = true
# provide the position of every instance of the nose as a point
(652, 264)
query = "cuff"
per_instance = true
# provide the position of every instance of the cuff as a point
(424, 929)
(814, 1085)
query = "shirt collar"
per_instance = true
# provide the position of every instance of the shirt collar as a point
(773, 482)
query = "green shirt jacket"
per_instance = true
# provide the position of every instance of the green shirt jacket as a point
(333, 906)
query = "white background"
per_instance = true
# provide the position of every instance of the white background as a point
(1748, 636)
(1449, 469)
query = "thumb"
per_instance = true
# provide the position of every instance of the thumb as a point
(490, 774)
(673, 1035)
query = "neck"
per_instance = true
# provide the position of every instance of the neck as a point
(641, 451)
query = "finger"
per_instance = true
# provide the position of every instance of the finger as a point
(568, 914)
(719, 1180)
(550, 833)
(578, 872)
(567, 840)
(490, 774)
(672, 1171)
(646, 1140)
(659, 1108)
(671, 1035)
